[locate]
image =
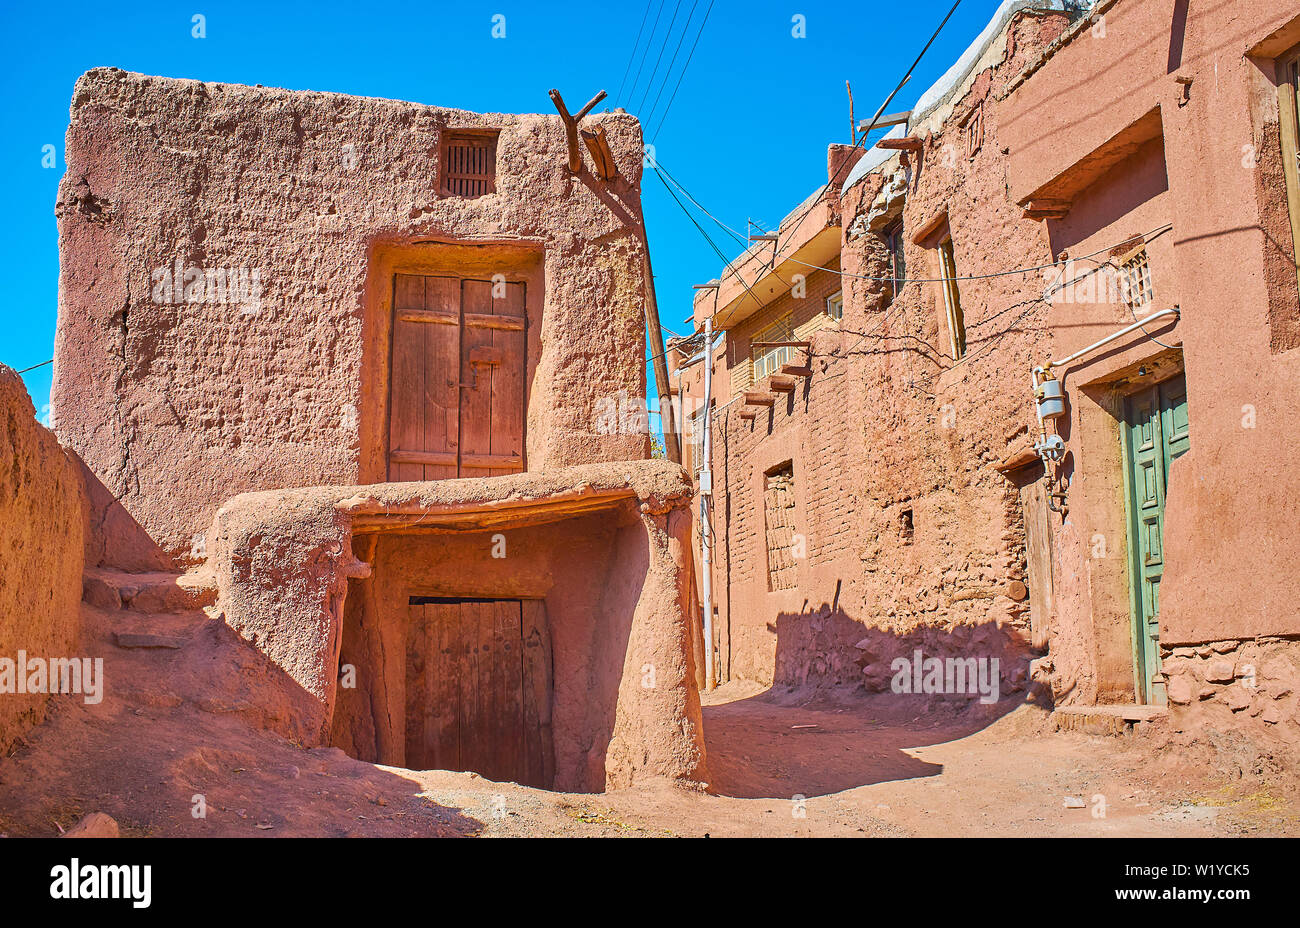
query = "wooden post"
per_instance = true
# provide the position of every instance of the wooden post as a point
(571, 126)
(655, 333)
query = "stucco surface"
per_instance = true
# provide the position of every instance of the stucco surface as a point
(283, 561)
(42, 516)
(177, 404)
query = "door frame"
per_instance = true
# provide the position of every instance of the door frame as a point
(462, 278)
(1134, 567)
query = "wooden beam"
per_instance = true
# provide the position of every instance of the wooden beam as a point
(781, 384)
(910, 143)
(759, 399)
(437, 317)
(796, 370)
(889, 119)
(602, 158)
(571, 126)
(1046, 209)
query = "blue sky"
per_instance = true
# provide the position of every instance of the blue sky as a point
(746, 133)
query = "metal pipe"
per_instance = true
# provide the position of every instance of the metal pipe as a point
(1112, 337)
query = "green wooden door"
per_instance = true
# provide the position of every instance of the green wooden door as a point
(1156, 433)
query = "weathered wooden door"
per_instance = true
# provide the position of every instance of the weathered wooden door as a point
(1038, 550)
(1156, 432)
(456, 398)
(478, 689)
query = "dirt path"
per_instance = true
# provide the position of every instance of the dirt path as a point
(175, 750)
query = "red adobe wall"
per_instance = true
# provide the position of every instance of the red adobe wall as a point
(1232, 512)
(176, 406)
(43, 511)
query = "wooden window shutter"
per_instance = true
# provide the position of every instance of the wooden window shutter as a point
(469, 164)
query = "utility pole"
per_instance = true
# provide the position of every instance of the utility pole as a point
(706, 496)
(706, 492)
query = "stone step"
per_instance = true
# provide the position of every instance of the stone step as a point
(148, 592)
(1106, 720)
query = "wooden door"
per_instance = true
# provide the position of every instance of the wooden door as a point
(1038, 550)
(478, 689)
(459, 360)
(492, 371)
(1156, 433)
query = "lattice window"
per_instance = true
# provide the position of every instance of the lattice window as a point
(778, 508)
(469, 164)
(769, 360)
(1135, 279)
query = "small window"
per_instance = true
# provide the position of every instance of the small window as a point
(697, 440)
(974, 125)
(1288, 90)
(952, 299)
(469, 163)
(1135, 279)
(778, 511)
(897, 272)
(835, 306)
(769, 360)
(906, 530)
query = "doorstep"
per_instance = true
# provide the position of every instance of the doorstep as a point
(1106, 720)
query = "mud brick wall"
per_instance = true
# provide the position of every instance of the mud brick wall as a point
(888, 425)
(177, 405)
(42, 512)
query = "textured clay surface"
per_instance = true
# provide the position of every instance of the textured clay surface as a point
(42, 516)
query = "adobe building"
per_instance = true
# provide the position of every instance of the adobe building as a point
(345, 355)
(881, 477)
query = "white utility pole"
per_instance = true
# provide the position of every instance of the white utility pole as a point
(706, 494)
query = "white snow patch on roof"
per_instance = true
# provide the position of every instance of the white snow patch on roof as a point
(873, 158)
(959, 71)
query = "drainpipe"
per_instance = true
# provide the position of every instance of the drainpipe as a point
(706, 494)
(1112, 337)
(1049, 399)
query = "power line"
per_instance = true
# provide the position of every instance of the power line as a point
(650, 41)
(663, 46)
(906, 77)
(632, 57)
(682, 73)
(668, 73)
(901, 280)
(35, 366)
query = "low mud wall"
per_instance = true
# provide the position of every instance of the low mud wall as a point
(42, 516)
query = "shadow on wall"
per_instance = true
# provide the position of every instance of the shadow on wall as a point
(114, 538)
(834, 721)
